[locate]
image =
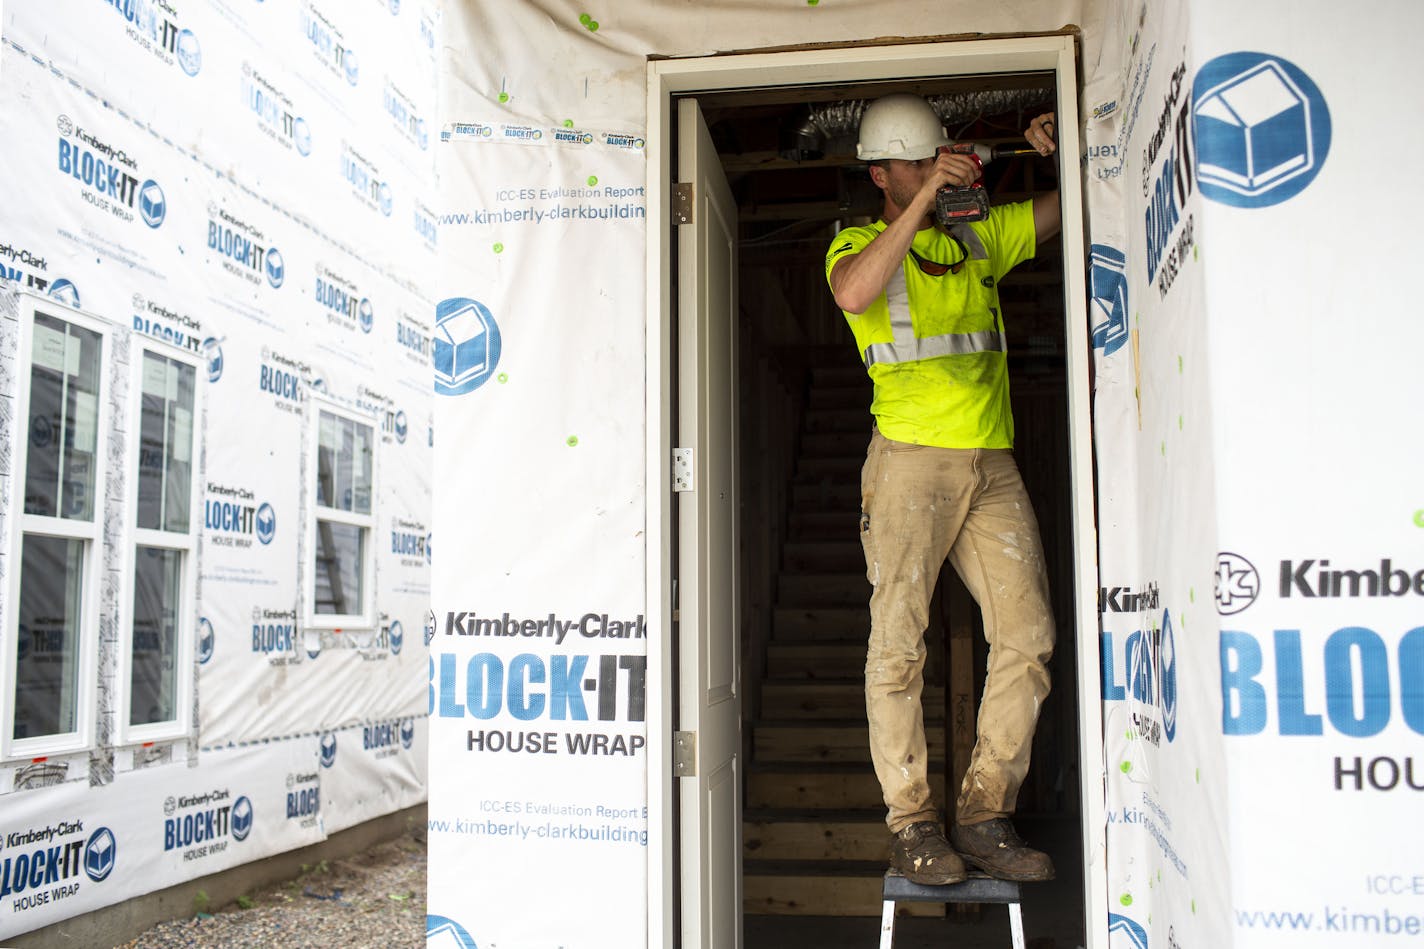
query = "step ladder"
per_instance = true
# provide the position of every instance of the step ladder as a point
(976, 889)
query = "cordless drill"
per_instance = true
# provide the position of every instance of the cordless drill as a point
(965, 204)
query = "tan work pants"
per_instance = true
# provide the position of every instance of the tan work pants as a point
(920, 505)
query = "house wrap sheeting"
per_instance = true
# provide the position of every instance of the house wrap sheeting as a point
(254, 184)
(1261, 534)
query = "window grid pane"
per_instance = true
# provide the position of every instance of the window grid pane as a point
(47, 651)
(63, 428)
(345, 464)
(153, 692)
(340, 573)
(165, 465)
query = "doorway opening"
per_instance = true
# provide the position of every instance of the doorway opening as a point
(811, 844)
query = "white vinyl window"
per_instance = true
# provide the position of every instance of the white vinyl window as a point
(155, 676)
(339, 592)
(56, 500)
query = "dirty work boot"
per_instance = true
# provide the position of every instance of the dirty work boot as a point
(995, 848)
(921, 853)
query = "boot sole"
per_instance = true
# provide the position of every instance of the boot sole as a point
(930, 879)
(1001, 874)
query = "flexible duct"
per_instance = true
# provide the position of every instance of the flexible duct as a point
(804, 136)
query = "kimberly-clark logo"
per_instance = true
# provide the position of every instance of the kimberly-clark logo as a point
(276, 115)
(231, 518)
(365, 180)
(108, 175)
(405, 115)
(22, 266)
(243, 249)
(329, 45)
(343, 301)
(1237, 583)
(444, 933)
(1109, 301)
(467, 345)
(1262, 129)
(149, 24)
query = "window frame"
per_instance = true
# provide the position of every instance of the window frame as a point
(368, 618)
(90, 533)
(185, 543)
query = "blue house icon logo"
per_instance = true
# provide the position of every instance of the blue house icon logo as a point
(151, 203)
(445, 933)
(100, 852)
(241, 818)
(266, 523)
(276, 268)
(328, 749)
(467, 345)
(1262, 129)
(206, 640)
(1108, 274)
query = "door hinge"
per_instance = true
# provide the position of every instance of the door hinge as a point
(682, 202)
(681, 469)
(684, 755)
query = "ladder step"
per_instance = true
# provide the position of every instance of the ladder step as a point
(824, 525)
(798, 836)
(807, 742)
(824, 589)
(812, 659)
(823, 556)
(834, 889)
(811, 699)
(829, 786)
(833, 622)
(845, 470)
(827, 495)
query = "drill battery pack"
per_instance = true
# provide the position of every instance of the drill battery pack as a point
(961, 205)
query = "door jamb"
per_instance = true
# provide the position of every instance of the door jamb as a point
(840, 65)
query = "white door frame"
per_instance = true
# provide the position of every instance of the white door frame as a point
(667, 78)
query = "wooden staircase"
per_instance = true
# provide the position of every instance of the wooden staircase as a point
(814, 840)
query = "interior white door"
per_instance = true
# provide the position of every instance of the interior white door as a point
(709, 701)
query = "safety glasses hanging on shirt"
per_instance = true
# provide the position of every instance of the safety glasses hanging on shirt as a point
(934, 268)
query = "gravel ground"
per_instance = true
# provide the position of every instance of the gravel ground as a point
(375, 898)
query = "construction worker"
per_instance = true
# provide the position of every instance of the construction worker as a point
(940, 482)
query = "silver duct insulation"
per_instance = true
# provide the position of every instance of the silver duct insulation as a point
(805, 136)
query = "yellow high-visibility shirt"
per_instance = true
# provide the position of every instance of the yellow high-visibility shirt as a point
(935, 347)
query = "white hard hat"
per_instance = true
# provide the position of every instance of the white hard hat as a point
(899, 126)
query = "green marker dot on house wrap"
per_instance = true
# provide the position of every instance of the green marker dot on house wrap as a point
(503, 97)
(592, 180)
(503, 377)
(1125, 767)
(1419, 518)
(568, 123)
(571, 441)
(1125, 899)
(498, 247)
